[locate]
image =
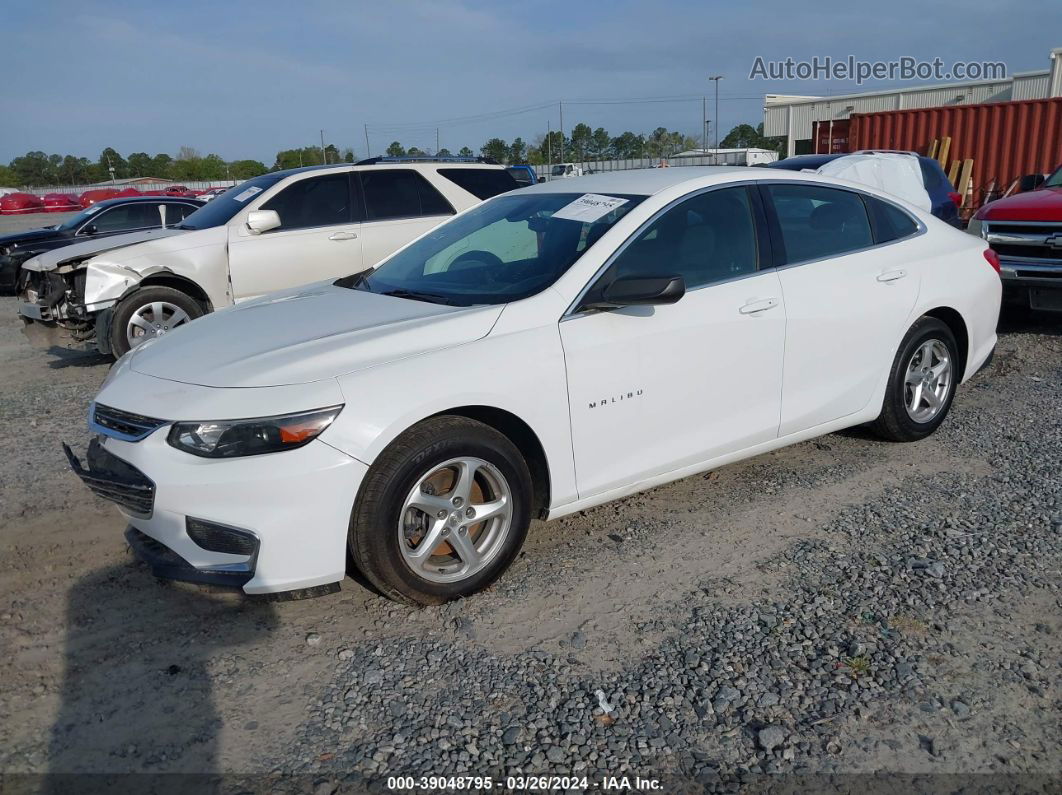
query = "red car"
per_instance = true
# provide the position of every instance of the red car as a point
(20, 204)
(1026, 231)
(90, 197)
(60, 203)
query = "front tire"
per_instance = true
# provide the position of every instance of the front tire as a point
(150, 312)
(442, 513)
(921, 384)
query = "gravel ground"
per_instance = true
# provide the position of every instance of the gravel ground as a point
(837, 608)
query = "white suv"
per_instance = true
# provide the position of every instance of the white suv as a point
(272, 232)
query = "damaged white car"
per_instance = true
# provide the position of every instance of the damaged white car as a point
(273, 232)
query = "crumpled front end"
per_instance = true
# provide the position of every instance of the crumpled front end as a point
(53, 310)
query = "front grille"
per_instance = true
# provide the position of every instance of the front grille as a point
(122, 425)
(110, 477)
(1037, 243)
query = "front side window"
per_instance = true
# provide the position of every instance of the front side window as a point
(142, 215)
(316, 201)
(708, 238)
(506, 249)
(819, 222)
(400, 193)
(1055, 180)
(224, 207)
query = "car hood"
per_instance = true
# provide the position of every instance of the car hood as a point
(314, 333)
(50, 260)
(177, 240)
(1044, 204)
(26, 238)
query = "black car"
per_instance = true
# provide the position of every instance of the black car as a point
(105, 218)
(941, 192)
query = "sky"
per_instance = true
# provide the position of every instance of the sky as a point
(246, 79)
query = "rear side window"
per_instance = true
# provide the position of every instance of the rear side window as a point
(175, 213)
(317, 201)
(400, 193)
(819, 222)
(890, 222)
(481, 182)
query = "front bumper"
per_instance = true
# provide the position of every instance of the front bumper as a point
(1034, 285)
(295, 504)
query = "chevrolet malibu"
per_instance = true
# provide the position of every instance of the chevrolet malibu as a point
(547, 351)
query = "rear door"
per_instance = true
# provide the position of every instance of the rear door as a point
(847, 298)
(400, 205)
(318, 238)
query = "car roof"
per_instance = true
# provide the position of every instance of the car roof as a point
(384, 163)
(137, 199)
(640, 181)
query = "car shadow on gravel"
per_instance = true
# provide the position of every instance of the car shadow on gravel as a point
(141, 658)
(62, 358)
(1014, 320)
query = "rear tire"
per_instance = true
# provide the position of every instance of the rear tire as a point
(149, 312)
(416, 532)
(922, 383)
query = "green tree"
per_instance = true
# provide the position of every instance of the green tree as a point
(444, 152)
(495, 148)
(517, 151)
(160, 166)
(139, 164)
(8, 178)
(466, 152)
(582, 136)
(348, 155)
(415, 151)
(33, 168)
(628, 145)
(600, 143)
(245, 169)
(396, 150)
(110, 159)
(746, 136)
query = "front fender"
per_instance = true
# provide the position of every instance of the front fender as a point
(105, 283)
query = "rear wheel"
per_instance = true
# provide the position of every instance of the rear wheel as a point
(148, 313)
(921, 383)
(442, 512)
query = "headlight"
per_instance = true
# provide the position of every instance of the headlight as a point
(975, 227)
(233, 438)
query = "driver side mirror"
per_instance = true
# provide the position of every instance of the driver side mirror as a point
(259, 221)
(1030, 182)
(639, 291)
(89, 230)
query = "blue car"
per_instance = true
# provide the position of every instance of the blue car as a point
(941, 192)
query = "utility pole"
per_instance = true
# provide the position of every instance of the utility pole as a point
(436, 141)
(549, 148)
(368, 151)
(715, 79)
(704, 124)
(560, 104)
(324, 154)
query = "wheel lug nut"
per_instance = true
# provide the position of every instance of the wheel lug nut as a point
(462, 530)
(470, 512)
(458, 502)
(440, 515)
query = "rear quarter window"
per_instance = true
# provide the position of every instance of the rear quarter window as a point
(483, 183)
(889, 221)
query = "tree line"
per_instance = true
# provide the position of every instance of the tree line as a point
(38, 169)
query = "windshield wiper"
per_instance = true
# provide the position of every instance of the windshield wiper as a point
(430, 298)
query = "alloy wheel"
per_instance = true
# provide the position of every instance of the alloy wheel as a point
(455, 520)
(928, 380)
(153, 320)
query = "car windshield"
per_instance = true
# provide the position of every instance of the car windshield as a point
(505, 249)
(220, 210)
(557, 171)
(73, 223)
(1055, 180)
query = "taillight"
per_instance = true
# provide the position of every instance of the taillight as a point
(993, 259)
(955, 197)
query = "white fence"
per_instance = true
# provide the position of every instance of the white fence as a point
(143, 188)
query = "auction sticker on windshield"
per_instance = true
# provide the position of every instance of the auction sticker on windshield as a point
(589, 208)
(243, 196)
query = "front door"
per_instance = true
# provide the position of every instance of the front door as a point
(318, 238)
(654, 389)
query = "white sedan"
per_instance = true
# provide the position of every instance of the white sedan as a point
(545, 352)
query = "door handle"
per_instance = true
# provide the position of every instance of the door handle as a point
(757, 306)
(343, 236)
(892, 276)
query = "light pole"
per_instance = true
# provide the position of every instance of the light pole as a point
(715, 79)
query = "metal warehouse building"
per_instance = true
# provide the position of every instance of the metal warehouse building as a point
(800, 118)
